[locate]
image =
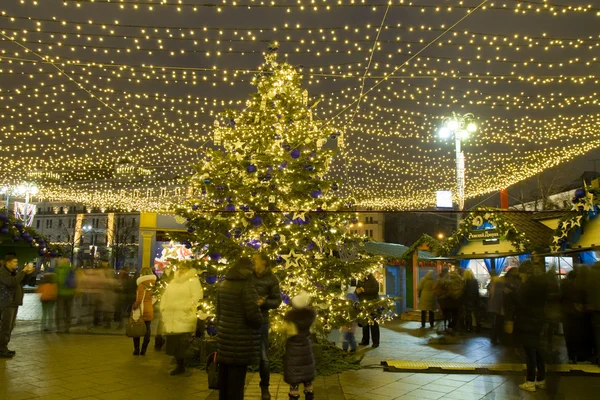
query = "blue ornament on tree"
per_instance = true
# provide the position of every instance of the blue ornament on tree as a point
(283, 165)
(16, 238)
(251, 168)
(215, 256)
(187, 245)
(245, 208)
(4, 230)
(285, 298)
(316, 193)
(207, 181)
(212, 330)
(3, 217)
(191, 229)
(295, 154)
(18, 224)
(310, 168)
(211, 280)
(579, 193)
(256, 221)
(230, 207)
(334, 187)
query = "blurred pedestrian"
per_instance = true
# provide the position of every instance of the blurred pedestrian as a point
(552, 310)
(179, 307)
(427, 299)
(143, 301)
(496, 307)
(66, 282)
(239, 319)
(48, 291)
(571, 300)
(512, 282)
(161, 283)
(449, 289)
(299, 361)
(529, 323)
(109, 294)
(471, 301)
(592, 292)
(269, 298)
(368, 290)
(11, 297)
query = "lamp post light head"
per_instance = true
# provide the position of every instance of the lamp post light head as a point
(471, 127)
(444, 133)
(453, 124)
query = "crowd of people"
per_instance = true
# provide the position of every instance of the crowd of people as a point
(100, 297)
(524, 309)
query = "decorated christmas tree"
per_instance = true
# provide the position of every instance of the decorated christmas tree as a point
(263, 188)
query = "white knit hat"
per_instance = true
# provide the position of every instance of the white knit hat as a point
(301, 300)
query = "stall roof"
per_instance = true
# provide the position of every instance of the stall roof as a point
(394, 250)
(537, 233)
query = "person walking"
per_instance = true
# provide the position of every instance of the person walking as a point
(47, 291)
(239, 319)
(179, 308)
(143, 300)
(496, 308)
(11, 297)
(471, 301)
(368, 290)
(269, 298)
(66, 281)
(529, 323)
(299, 361)
(571, 300)
(427, 299)
(348, 331)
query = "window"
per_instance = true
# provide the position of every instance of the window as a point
(60, 223)
(370, 233)
(48, 223)
(133, 222)
(163, 192)
(369, 220)
(136, 193)
(37, 224)
(58, 238)
(132, 238)
(178, 192)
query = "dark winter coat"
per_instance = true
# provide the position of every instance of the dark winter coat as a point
(471, 294)
(238, 319)
(267, 286)
(512, 282)
(11, 288)
(571, 299)
(371, 287)
(299, 361)
(529, 312)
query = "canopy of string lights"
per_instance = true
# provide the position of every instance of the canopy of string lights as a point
(110, 102)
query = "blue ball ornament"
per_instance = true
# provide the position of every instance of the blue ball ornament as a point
(316, 193)
(276, 237)
(4, 230)
(18, 224)
(256, 221)
(245, 208)
(285, 298)
(283, 165)
(310, 168)
(230, 207)
(42, 253)
(16, 238)
(251, 168)
(191, 229)
(215, 256)
(211, 280)
(295, 154)
(3, 217)
(212, 330)
(579, 193)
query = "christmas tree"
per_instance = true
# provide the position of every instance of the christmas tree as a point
(264, 190)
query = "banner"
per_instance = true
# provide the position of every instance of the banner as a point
(24, 215)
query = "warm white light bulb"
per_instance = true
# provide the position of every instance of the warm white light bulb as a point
(471, 127)
(453, 124)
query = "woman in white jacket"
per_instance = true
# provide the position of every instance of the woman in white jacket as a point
(178, 306)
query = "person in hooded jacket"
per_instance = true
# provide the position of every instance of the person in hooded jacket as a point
(143, 299)
(368, 290)
(179, 309)
(239, 319)
(427, 299)
(299, 361)
(269, 298)
(471, 301)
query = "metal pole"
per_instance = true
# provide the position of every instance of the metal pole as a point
(460, 178)
(25, 210)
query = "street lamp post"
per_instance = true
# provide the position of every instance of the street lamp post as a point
(25, 189)
(460, 127)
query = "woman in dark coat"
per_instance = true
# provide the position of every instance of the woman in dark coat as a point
(239, 319)
(299, 361)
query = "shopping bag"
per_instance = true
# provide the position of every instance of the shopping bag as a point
(135, 328)
(212, 369)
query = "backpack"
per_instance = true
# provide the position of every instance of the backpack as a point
(455, 286)
(71, 280)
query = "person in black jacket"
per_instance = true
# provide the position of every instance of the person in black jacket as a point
(238, 329)
(529, 322)
(11, 297)
(269, 298)
(299, 361)
(368, 290)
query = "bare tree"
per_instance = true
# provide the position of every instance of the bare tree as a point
(124, 240)
(66, 241)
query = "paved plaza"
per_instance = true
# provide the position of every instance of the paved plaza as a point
(98, 364)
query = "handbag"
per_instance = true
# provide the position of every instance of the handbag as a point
(136, 327)
(212, 369)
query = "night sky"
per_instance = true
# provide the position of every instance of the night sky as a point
(528, 77)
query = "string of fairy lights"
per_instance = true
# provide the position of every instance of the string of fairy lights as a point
(84, 83)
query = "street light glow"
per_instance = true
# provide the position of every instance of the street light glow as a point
(453, 124)
(471, 127)
(444, 132)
